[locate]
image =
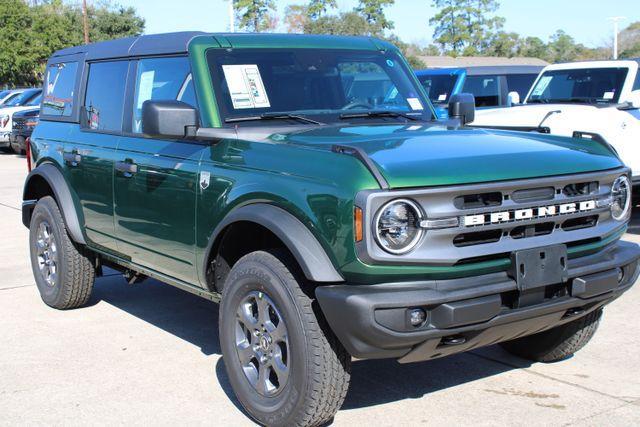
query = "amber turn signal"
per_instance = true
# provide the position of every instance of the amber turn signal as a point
(357, 223)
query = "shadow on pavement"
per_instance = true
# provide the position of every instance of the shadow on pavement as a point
(373, 382)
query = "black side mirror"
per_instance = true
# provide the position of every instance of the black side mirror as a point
(463, 107)
(169, 119)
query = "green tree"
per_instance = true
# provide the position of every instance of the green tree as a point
(296, 17)
(17, 56)
(533, 47)
(629, 41)
(255, 15)
(503, 44)
(318, 8)
(373, 12)
(465, 26)
(562, 47)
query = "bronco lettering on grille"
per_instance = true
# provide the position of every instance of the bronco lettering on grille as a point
(528, 213)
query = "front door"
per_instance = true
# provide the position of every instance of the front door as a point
(156, 181)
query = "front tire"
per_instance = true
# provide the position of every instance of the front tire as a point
(64, 274)
(558, 343)
(285, 366)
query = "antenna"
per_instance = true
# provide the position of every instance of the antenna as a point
(615, 20)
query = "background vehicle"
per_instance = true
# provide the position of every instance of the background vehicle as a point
(7, 95)
(263, 178)
(492, 86)
(599, 97)
(23, 124)
(26, 100)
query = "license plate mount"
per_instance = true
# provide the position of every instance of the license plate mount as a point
(538, 267)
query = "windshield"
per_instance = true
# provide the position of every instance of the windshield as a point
(321, 83)
(35, 101)
(595, 85)
(439, 87)
(21, 99)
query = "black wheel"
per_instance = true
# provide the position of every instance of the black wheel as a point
(64, 274)
(284, 365)
(557, 343)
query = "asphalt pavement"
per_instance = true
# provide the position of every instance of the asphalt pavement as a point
(149, 354)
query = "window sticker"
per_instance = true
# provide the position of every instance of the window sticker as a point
(442, 97)
(542, 85)
(608, 95)
(415, 104)
(245, 86)
(145, 87)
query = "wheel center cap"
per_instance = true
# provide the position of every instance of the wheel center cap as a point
(264, 343)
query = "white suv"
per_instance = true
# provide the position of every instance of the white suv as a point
(593, 97)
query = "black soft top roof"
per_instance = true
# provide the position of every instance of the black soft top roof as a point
(154, 44)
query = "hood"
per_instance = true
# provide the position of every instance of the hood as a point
(418, 155)
(525, 115)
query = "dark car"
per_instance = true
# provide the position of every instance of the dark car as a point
(500, 86)
(302, 182)
(23, 124)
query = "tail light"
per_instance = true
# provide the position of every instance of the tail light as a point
(28, 151)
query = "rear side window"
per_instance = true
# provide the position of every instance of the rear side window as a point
(486, 90)
(161, 79)
(60, 82)
(636, 83)
(104, 98)
(520, 83)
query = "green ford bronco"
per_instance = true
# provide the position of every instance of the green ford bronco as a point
(304, 183)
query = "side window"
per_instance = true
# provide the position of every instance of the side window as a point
(162, 79)
(188, 93)
(636, 83)
(104, 99)
(60, 81)
(485, 89)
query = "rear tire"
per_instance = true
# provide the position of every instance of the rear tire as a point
(558, 343)
(308, 385)
(63, 272)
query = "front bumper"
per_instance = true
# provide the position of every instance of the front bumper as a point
(5, 139)
(462, 314)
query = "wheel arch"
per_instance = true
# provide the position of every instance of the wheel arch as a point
(309, 254)
(47, 180)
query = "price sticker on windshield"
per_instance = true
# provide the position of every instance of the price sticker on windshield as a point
(542, 85)
(415, 104)
(245, 86)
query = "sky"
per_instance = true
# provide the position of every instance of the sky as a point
(585, 20)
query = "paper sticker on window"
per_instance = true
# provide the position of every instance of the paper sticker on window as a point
(245, 86)
(442, 97)
(542, 85)
(145, 87)
(415, 104)
(608, 95)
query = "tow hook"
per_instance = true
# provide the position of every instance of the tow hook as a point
(454, 340)
(572, 312)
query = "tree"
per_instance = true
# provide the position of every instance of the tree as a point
(373, 12)
(563, 48)
(255, 15)
(503, 44)
(465, 26)
(31, 32)
(318, 8)
(296, 17)
(533, 47)
(629, 41)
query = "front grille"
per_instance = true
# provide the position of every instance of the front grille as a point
(18, 124)
(501, 217)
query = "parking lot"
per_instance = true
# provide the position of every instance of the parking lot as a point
(149, 354)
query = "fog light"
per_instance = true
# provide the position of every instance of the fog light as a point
(417, 316)
(620, 275)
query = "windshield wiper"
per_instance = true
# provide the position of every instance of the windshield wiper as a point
(273, 116)
(372, 114)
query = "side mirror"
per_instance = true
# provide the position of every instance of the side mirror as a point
(169, 119)
(462, 106)
(513, 98)
(633, 99)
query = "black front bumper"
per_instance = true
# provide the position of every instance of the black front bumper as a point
(372, 321)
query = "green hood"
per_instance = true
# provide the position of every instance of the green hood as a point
(417, 156)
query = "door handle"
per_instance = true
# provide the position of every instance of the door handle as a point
(127, 168)
(72, 159)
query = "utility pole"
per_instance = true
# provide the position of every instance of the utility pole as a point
(232, 17)
(615, 20)
(85, 21)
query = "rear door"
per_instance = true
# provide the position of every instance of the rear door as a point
(90, 150)
(156, 180)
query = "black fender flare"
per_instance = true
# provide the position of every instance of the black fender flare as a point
(61, 193)
(308, 252)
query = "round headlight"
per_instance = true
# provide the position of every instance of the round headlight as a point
(621, 198)
(398, 226)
